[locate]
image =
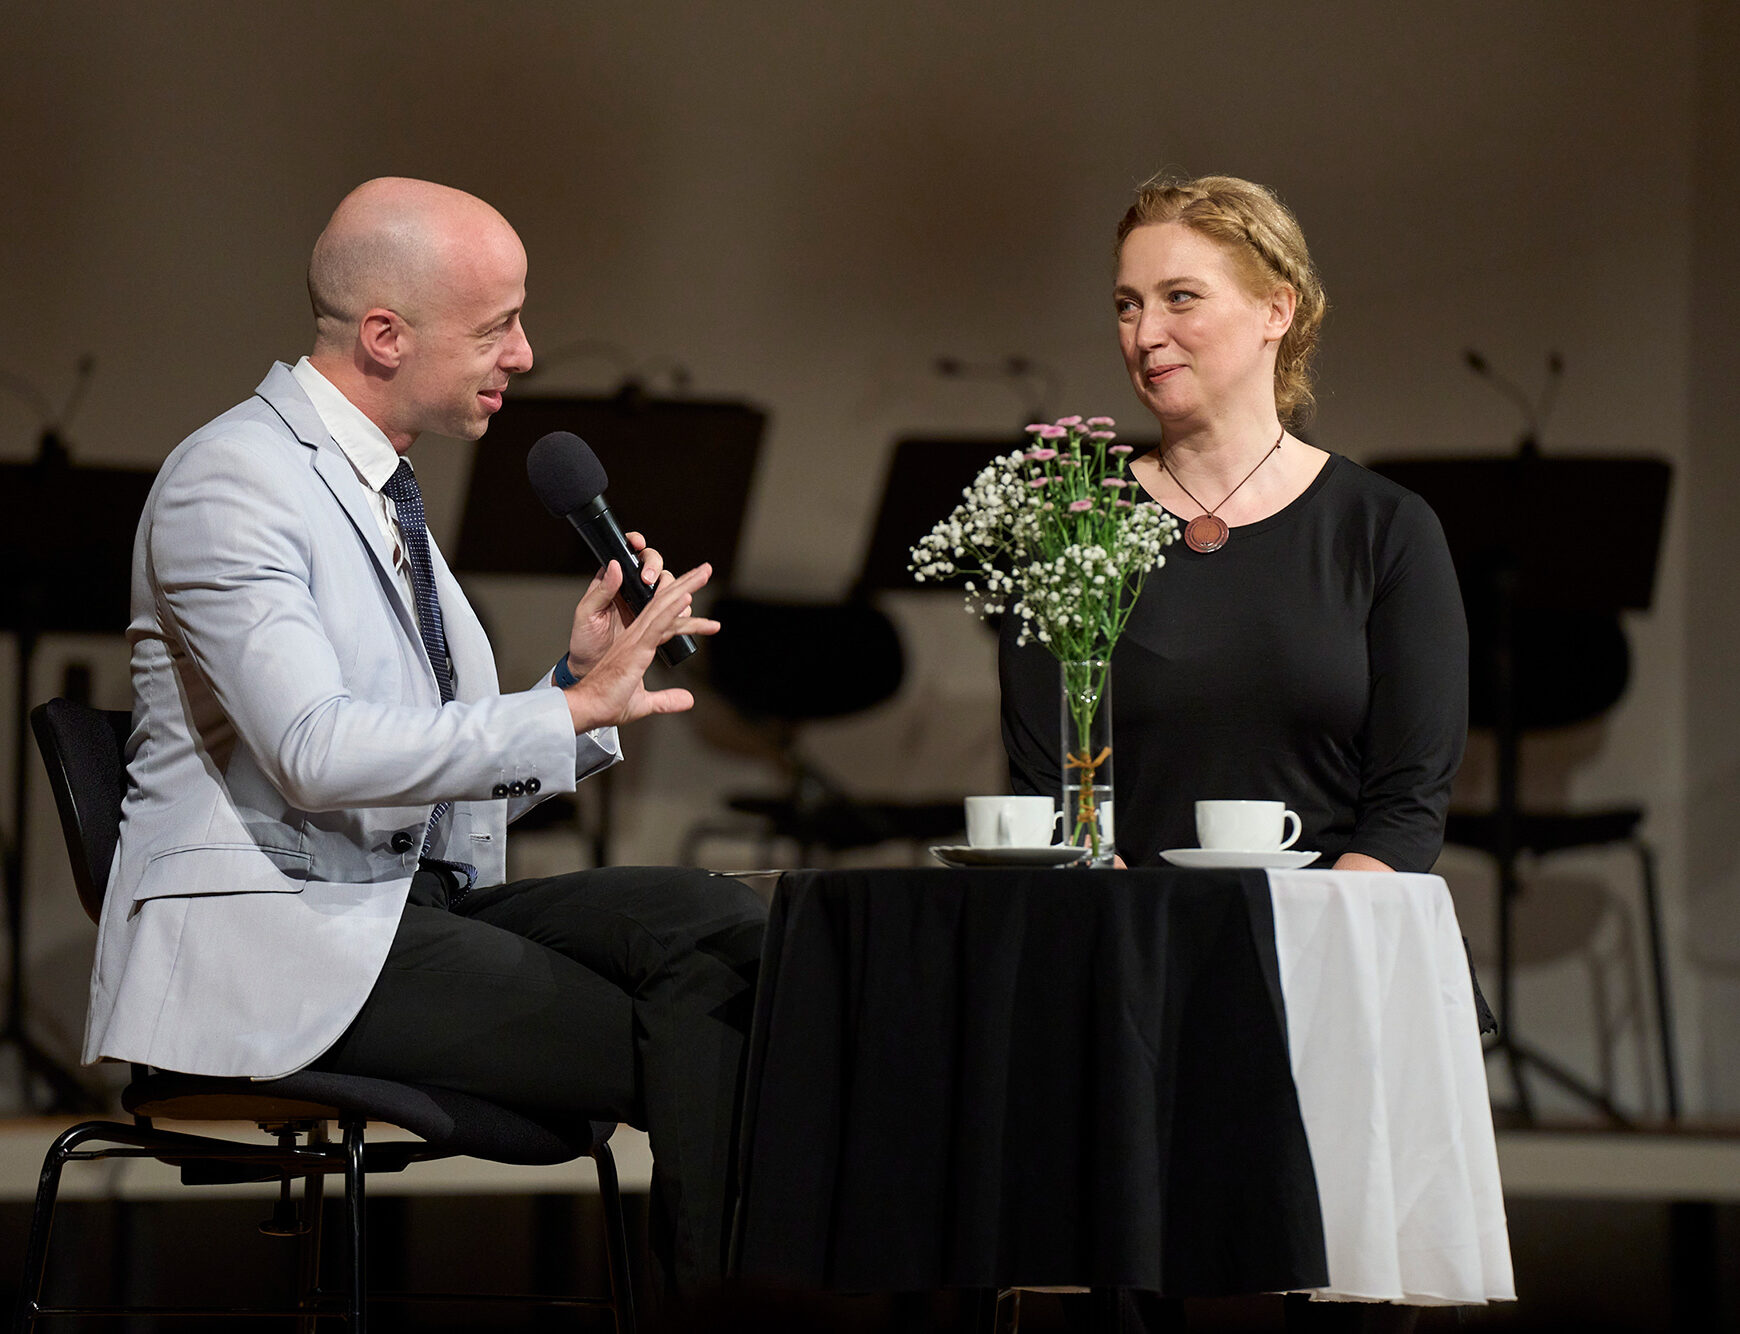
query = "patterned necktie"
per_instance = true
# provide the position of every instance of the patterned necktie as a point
(407, 500)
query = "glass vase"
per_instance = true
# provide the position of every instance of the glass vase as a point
(1087, 757)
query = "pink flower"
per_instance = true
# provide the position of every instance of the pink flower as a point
(1077, 506)
(1037, 482)
(1113, 483)
(1034, 429)
(1069, 463)
(1052, 432)
(1122, 449)
(1102, 435)
(1122, 504)
(1041, 455)
(1101, 421)
(1069, 421)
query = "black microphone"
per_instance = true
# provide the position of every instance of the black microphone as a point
(570, 481)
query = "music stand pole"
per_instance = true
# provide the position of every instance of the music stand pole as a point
(66, 1094)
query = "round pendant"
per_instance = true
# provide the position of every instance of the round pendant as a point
(1205, 533)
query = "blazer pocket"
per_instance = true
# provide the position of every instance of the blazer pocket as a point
(223, 868)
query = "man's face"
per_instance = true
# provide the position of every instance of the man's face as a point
(466, 341)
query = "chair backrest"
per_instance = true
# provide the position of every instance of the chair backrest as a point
(84, 750)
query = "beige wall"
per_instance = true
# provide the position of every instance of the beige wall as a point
(805, 204)
(1712, 607)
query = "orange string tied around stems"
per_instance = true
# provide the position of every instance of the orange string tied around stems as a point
(1086, 765)
(1087, 812)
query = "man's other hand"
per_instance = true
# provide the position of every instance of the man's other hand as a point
(611, 692)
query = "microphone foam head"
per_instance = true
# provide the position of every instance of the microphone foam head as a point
(564, 472)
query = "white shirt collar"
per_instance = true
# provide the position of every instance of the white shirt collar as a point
(363, 443)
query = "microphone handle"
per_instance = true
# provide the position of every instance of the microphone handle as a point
(604, 538)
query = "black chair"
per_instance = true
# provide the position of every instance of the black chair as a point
(782, 666)
(83, 751)
(1549, 670)
(1544, 588)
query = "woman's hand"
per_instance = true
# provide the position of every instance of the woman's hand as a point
(612, 692)
(1358, 861)
(601, 613)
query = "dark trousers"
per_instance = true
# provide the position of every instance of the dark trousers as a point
(624, 992)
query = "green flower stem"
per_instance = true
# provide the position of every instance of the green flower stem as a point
(1084, 687)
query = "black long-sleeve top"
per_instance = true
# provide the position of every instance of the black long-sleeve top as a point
(1319, 658)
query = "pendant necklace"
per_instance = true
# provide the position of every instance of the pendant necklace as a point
(1208, 531)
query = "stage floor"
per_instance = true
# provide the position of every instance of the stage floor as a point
(1687, 1164)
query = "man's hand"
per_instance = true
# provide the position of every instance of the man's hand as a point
(612, 692)
(601, 614)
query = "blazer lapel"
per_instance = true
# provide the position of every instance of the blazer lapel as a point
(285, 397)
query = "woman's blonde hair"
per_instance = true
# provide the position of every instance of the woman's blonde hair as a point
(1268, 248)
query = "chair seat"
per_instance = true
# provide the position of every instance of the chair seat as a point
(1545, 832)
(453, 1122)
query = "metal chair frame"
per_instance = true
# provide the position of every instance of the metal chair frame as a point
(296, 1110)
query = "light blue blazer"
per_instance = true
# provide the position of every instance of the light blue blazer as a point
(286, 727)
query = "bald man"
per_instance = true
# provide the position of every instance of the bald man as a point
(322, 766)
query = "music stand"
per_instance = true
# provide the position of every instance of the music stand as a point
(682, 467)
(66, 542)
(1533, 534)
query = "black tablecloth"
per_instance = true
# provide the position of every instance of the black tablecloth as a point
(999, 1078)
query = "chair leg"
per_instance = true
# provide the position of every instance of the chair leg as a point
(308, 1279)
(42, 1224)
(1663, 1012)
(353, 1195)
(615, 1239)
(1509, 886)
(995, 1311)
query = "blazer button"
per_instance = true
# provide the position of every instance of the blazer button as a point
(401, 842)
(516, 788)
(532, 786)
(499, 790)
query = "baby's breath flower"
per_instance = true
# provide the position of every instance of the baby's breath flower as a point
(1067, 568)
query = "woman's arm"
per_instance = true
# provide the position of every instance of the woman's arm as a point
(1417, 721)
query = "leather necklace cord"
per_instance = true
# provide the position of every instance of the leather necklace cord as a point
(1208, 531)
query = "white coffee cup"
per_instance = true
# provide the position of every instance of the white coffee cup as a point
(1010, 822)
(1245, 826)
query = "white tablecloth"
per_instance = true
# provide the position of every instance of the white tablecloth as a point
(1392, 1087)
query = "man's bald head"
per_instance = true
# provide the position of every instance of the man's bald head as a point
(394, 243)
(417, 293)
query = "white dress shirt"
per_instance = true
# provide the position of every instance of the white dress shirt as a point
(375, 460)
(366, 446)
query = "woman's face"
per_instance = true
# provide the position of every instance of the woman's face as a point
(1197, 344)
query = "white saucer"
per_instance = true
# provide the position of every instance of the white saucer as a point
(1207, 859)
(961, 857)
